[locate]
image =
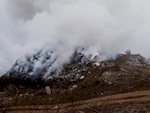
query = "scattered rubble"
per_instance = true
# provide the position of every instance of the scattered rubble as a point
(26, 95)
(88, 78)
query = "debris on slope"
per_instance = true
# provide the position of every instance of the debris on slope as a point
(85, 78)
(134, 60)
(89, 69)
(34, 66)
(42, 65)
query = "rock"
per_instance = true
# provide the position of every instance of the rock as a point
(89, 72)
(82, 77)
(75, 86)
(48, 90)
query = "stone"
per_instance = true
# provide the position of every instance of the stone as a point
(48, 90)
(82, 77)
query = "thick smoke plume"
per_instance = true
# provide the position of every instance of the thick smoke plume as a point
(101, 26)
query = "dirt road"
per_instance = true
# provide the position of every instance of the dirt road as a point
(132, 97)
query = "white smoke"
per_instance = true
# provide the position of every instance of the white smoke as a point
(101, 26)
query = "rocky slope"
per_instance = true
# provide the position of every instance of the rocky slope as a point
(33, 66)
(43, 64)
(83, 79)
(41, 67)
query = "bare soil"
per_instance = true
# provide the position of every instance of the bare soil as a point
(136, 99)
(120, 86)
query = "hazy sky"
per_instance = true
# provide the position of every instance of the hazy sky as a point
(101, 26)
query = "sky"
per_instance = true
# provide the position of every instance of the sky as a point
(101, 26)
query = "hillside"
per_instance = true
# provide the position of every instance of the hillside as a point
(81, 80)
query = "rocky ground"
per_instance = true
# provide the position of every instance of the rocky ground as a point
(80, 81)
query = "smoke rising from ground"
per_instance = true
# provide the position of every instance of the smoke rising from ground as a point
(101, 26)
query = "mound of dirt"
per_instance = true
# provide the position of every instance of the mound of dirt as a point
(79, 81)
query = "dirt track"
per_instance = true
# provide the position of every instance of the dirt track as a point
(132, 97)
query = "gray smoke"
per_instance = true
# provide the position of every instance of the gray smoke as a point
(101, 26)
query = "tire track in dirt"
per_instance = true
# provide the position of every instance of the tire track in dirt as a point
(131, 97)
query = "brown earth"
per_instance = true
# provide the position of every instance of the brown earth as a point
(120, 86)
(131, 98)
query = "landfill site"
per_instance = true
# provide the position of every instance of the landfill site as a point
(120, 85)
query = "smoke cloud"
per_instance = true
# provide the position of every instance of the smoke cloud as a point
(101, 26)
